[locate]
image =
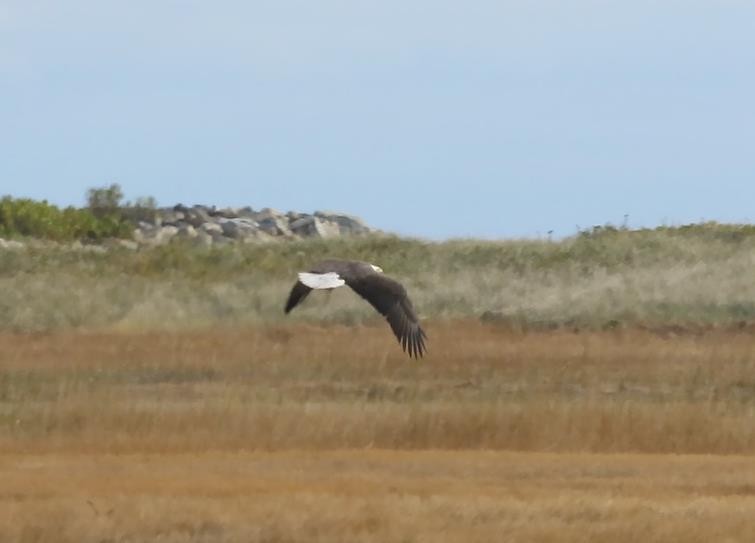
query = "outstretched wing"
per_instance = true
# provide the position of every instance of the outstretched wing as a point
(298, 293)
(312, 280)
(390, 299)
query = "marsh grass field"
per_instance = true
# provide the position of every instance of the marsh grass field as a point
(161, 396)
(312, 433)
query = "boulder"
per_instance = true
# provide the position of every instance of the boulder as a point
(246, 212)
(348, 225)
(197, 216)
(266, 213)
(226, 213)
(312, 227)
(211, 228)
(238, 228)
(275, 226)
(169, 217)
(203, 239)
(292, 216)
(166, 233)
(186, 231)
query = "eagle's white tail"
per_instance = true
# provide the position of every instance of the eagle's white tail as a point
(321, 280)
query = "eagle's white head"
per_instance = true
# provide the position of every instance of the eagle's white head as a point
(377, 268)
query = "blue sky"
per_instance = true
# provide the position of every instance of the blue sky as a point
(428, 118)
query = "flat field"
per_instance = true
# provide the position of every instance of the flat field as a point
(301, 432)
(373, 495)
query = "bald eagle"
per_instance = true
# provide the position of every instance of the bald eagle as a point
(386, 295)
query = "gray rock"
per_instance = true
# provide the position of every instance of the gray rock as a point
(310, 226)
(238, 228)
(211, 228)
(328, 229)
(347, 224)
(275, 226)
(166, 233)
(169, 230)
(266, 213)
(197, 216)
(303, 226)
(293, 216)
(246, 212)
(169, 217)
(227, 213)
(203, 239)
(186, 231)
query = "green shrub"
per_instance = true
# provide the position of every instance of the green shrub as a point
(105, 201)
(24, 217)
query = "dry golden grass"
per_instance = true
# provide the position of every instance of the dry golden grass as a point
(303, 386)
(371, 496)
(314, 433)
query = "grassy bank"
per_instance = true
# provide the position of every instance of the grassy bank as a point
(699, 275)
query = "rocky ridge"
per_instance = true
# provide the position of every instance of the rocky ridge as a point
(212, 226)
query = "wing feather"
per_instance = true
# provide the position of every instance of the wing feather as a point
(297, 295)
(322, 275)
(389, 298)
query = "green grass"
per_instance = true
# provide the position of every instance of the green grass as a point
(698, 274)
